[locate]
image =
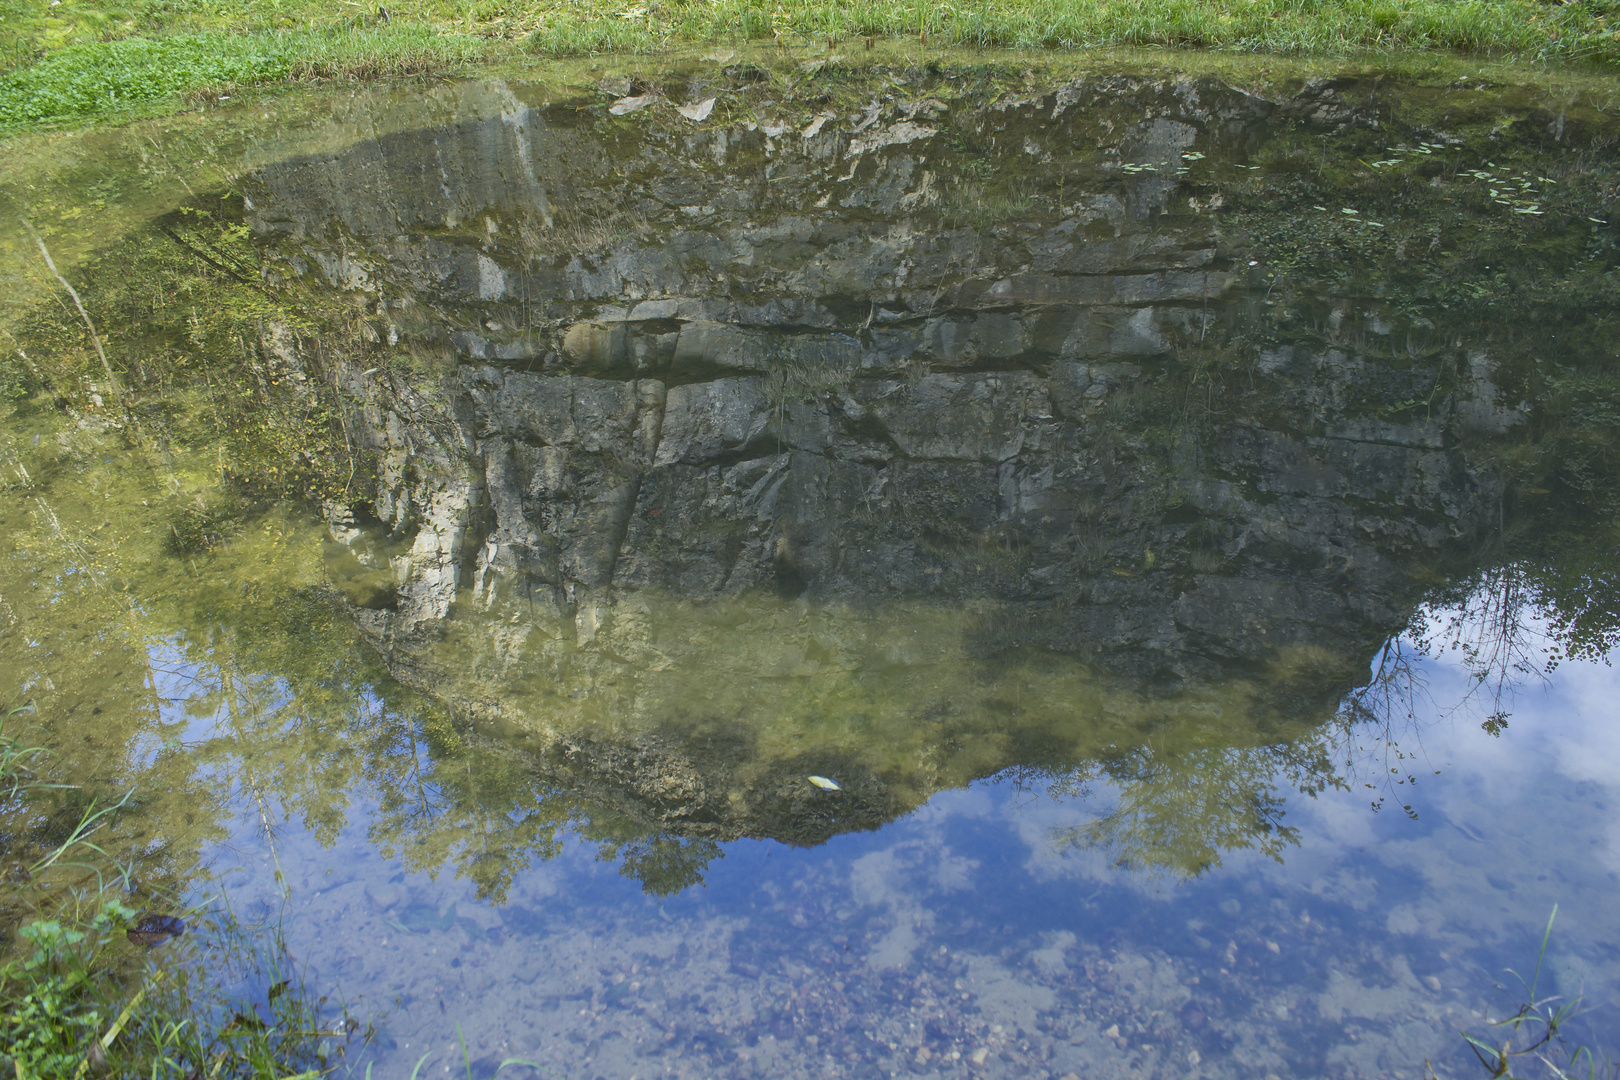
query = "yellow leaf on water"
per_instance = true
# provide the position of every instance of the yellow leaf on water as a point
(825, 784)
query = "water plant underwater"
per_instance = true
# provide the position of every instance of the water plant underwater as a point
(1534, 1035)
(83, 991)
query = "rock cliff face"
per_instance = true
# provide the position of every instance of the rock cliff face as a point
(762, 449)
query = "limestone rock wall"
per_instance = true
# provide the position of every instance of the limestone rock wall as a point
(936, 358)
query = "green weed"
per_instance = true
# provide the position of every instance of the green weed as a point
(82, 998)
(1533, 1036)
(16, 762)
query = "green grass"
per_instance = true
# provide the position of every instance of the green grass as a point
(79, 60)
(81, 1000)
(1512, 28)
(85, 80)
(16, 763)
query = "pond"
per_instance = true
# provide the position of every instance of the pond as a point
(845, 570)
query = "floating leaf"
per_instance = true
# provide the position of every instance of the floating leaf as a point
(155, 930)
(825, 784)
(248, 1020)
(698, 111)
(627, 105)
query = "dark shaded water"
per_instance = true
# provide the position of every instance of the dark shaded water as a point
(1135, 494)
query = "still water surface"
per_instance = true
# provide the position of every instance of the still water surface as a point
(1180, 521)
(971, 925)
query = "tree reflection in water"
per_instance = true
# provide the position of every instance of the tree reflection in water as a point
(265, 699)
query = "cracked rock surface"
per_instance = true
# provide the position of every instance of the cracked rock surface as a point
(743, 434)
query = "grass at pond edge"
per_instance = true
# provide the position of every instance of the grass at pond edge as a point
(229, 47)
(109, 78)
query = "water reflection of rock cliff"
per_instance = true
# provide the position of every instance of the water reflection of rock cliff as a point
(948, 440)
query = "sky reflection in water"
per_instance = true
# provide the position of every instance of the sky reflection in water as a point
(968, 926)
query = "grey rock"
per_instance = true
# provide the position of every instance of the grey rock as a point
(790, 368)
(703, 421)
